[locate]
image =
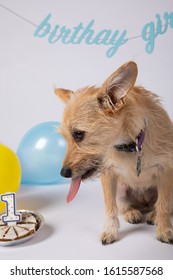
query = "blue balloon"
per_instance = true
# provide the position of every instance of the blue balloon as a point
(41, 152)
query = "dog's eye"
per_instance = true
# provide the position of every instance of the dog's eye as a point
(78, 135)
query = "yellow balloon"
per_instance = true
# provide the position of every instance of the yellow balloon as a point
(10, 172)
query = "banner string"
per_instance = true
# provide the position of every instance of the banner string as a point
(17, 15)
(35, 25)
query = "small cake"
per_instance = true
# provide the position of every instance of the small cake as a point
(27, 226)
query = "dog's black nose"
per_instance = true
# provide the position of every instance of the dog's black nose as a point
(66, 172)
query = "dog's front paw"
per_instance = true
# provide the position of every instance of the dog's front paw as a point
(165, 235)
(109, 237)
(151, 217)
(110, 232)
(133, 216)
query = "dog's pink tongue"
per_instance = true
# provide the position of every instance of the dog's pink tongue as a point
(74, 187)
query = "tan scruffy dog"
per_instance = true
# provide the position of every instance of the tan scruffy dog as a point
(121, 132)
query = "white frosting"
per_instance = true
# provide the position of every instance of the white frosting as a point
(21, 231)
(29, 219)
(11, 234)
(3, 230)
(27, 226)
(1, 222)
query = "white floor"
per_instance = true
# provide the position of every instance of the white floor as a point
(72, 230)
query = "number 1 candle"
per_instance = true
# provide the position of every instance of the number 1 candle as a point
(11, 216)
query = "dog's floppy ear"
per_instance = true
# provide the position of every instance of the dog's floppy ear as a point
(64, 94)
(115, 88)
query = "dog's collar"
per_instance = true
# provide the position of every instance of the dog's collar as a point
(134, 146)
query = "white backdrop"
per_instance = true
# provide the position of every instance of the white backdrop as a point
(31, 66)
